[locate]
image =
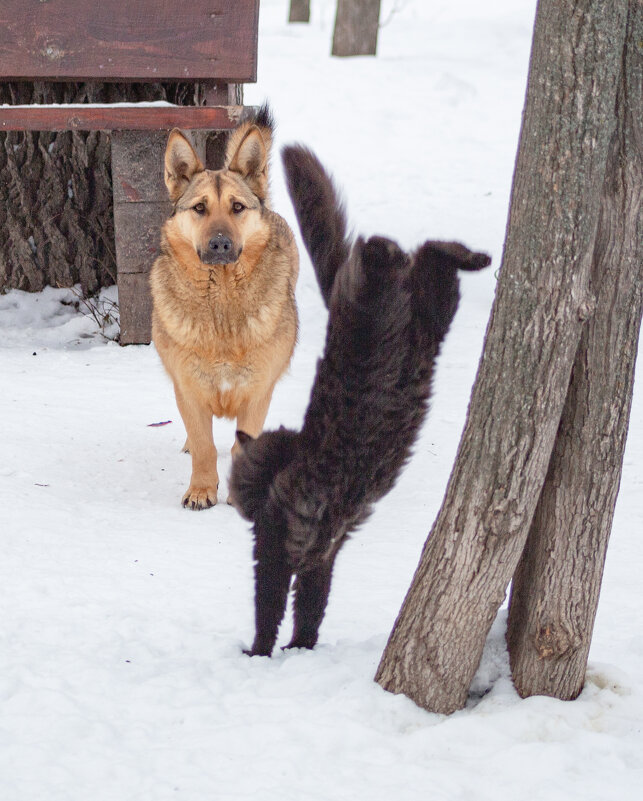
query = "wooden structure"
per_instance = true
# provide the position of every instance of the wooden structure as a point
(211, 44)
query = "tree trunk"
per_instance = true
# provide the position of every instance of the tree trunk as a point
(532, 339)
(556, 587)
(56, 224)
(299, 11)
(356, 27)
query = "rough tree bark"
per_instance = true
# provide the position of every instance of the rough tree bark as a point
(356, 28)
(299, 11)
(556, 587)
(56, 224)
(541, 302)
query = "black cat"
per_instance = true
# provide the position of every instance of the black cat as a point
(305, 491)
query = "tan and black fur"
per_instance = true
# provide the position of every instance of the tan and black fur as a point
(224, 316)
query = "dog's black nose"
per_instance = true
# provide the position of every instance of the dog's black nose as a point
(220, 245)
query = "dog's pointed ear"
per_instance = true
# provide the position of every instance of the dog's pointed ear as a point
(243, 438)
(181, 163)
(250, 160)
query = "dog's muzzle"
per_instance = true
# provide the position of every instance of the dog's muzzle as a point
(220, 251)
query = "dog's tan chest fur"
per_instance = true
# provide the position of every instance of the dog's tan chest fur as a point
(223, 330)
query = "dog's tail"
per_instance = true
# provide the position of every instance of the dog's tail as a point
(434, 285)
(320, 214)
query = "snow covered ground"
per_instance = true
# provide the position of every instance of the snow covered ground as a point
(122, 616)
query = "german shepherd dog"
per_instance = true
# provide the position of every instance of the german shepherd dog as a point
(305, 491)
(224, 317)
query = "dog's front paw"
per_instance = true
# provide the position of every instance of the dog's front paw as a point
(253, 652)
(260, 647)
(301, 642)
(198, 498)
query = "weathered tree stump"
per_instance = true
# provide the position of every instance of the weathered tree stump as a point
(356, 28)
(56, 222)
(299, 11)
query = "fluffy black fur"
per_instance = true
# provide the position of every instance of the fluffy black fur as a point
(263, 117)
(305, 491)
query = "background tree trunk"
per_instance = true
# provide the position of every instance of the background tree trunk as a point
(533, 335)
(356, 27)
(556, 587)
(56, 223)
(299, 11)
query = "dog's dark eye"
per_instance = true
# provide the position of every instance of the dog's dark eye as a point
(199, 208)
(237, 207)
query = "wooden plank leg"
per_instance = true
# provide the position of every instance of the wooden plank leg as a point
(141, 206)
(135, 303)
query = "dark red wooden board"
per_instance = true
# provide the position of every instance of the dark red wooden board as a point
(114, 118)
(129, 40)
